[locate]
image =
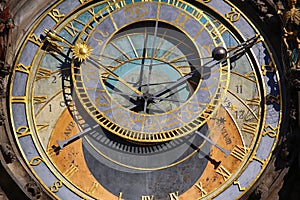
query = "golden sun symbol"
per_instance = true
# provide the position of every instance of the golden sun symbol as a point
(81, 51)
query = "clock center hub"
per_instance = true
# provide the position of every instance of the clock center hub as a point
(149, 76)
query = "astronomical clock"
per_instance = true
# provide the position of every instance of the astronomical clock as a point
(144, 100)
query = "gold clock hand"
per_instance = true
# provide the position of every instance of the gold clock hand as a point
(99, 65)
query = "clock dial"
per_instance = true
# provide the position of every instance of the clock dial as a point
(145, 100)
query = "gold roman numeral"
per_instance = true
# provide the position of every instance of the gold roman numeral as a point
(93, 188)
(223, 172)
(174, 196)
(249, 127)
(43, 73)
(239, 152)
(202, 191)
(71, 171)
(39, 99)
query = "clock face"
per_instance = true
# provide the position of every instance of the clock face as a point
(149, 100)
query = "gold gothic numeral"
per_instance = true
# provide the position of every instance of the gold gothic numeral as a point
(223, 172)
(35, 161)
(239, 185)
(270, 130)
(273, 99)
(174, 196)
(268, 68)
(239, 152)
(233, 15)
(262, 162)
(56, 16)
(22, 68)
(23, 131)
(55, 186)
(18, 99)
(35, 39)
(202, 191)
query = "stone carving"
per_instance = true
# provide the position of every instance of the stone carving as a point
(8, 153)
(6, 24)
(263, 9)
(34, 190)
(291, 31)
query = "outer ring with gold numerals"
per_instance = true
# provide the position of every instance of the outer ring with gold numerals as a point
(246, 123)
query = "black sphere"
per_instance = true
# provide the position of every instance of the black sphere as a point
(219, 53)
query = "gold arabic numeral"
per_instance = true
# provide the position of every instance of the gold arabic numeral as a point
(271, 99)
(233, 15)
(239, 152)
(35, 161)
(221, 170)
(148, 197)
(43, 73)
(55, 186)
(56, 16)
(239, 185)
(100, 33)
(35, 39)
(270, 130)
(22, 68)
(93, 187)
(71, 171)
(174, 196)
(71, 29)
(201, 189)
(39, 99)
(249, 127)
(23, 131)
(268, 68)
(181, 19)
